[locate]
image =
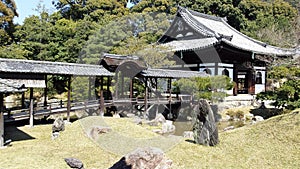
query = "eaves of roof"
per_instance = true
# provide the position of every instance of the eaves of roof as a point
(188, 45)
(54, 68)
(166, 73)
(7, 86)
(213, 26)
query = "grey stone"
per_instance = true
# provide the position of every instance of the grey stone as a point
(188, 134)
(74, 163)
(97, 130)
(144, 158)
(205, 127)
(228, 128)
(58, 125)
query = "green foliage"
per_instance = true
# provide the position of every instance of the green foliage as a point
(80, 89)
(130, 35)
(287, 95)
(7, 13)
(98, 11)
(211, 88)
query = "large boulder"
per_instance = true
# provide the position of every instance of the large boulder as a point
(145, 158)
(205, 127)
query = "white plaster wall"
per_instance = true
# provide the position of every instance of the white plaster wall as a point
(260, 87)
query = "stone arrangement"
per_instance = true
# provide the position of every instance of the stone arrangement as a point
(205, 127)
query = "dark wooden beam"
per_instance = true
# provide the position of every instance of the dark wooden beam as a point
(146, 97)
(31, 113)
(45, 91)
(1, 121)
(69, 99)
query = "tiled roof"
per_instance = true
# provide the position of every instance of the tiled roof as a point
(192, 44)
(166, 73)
(212, 26)
(45, 67)
(7, 86)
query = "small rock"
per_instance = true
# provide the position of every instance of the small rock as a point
(188, 134)
(58, 125)
(228, 128)
(74, 163)
(168, 128)
(55, 135)
(144, 158)
(258, 118)
(97, 130)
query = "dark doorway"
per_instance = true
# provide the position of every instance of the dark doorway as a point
(242, 82)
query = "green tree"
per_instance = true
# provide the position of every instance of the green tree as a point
(129, 35)
(287, 95)
(210, 88)
(99, 11)
(7, 13)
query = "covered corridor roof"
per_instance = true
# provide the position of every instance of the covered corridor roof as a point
(167, 73)
(57, 68)
(7, 86)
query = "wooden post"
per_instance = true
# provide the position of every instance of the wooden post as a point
(102, 82)
(89, 92)
(216, 68)
(108, 84)
(146, 98)
(31, 113)
(122, 85)
(131, 89)
(117, 85)
(101, 103)
(23, 100)
(1, 121)
(69, 99)
(45, 92)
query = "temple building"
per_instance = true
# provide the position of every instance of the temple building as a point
(209, 44)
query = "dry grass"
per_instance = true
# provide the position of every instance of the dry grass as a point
(273, 143)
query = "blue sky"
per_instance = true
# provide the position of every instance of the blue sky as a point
(26, 8)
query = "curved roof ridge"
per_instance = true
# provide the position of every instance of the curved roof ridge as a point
(199, 27)
(264, 44)
(245, 36)
(212, 17)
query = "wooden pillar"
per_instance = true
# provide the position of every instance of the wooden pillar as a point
(146, 98)
(131, 89)
(102, 83)
(23, 100)
(117, 85)
(216, 68)
(69, 99)
(122, 85)
(89, 90)
(45, 91)
(101, 103)
(31, 113)
(108, 83)
(1, 121)
(235, 79)
(108, 86)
